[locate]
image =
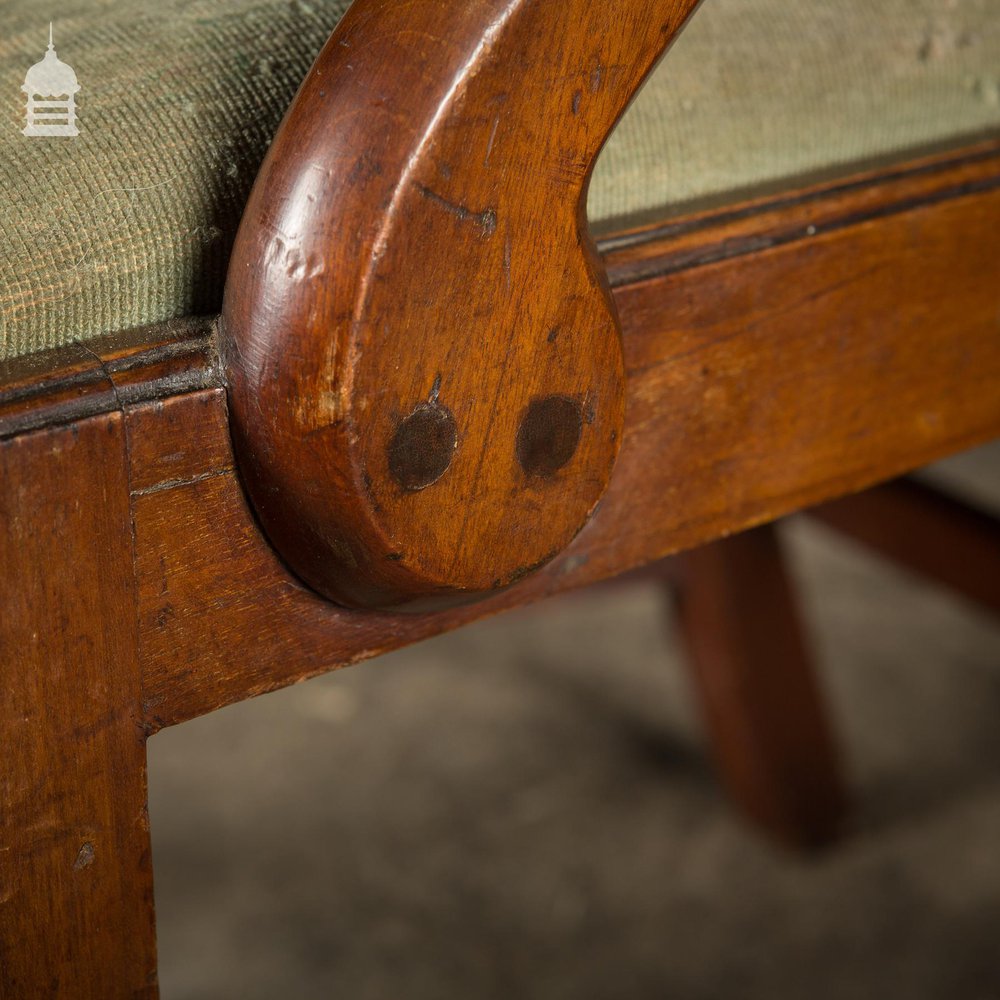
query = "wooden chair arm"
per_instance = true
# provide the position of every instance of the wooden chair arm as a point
(423, 357)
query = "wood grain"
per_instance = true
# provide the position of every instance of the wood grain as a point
(759, 384)
(423, 358)
(76, 905)
(427, 388)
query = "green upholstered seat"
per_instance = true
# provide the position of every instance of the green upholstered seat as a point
(131, 222)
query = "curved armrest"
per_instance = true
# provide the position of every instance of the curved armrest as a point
(424, 361)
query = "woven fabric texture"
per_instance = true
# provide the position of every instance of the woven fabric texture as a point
(131, 221)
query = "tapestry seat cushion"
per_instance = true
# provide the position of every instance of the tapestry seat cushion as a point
(130, 222)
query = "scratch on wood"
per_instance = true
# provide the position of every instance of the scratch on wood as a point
(506, 261)
(486, 220)
(493, 135)
(85, 858)
(169, 484)
(104, 371)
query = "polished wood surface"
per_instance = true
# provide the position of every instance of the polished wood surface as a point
(759, 224)
(759, 384)
(860, 343)
(76, 900)
(424, 362)
(421, 351)
(55, 387)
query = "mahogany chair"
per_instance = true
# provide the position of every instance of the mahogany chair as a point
(430, 396)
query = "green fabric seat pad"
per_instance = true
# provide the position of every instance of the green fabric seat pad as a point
(131, 222)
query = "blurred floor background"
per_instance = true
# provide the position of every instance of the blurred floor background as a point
(525, 808)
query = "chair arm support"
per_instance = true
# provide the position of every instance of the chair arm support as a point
(423, 358)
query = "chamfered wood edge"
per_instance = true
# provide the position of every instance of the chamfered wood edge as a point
(87, 378)
(761, 223)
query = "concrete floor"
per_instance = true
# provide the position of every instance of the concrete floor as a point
(524, 809)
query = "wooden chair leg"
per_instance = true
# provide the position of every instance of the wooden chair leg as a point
(760, 697)
(927, 531)
(76, 904)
